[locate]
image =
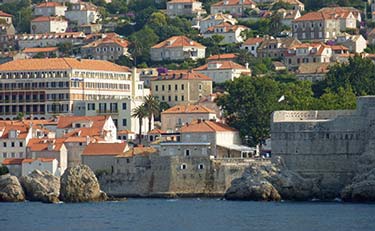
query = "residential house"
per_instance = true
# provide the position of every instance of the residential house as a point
(221, 71)
(177, 48)
(287, 16)
(6, 18)
(175, 117)
(209, 101)
(275, 48)
(181, 87)
(214, 20)
(350, 17)
(355, 43)
(126, 135)
(48, 148)
(312, 72)
(231, 33)
(14, 166)
(101, 156)
(91, 28)
(190, 8)
(296, 4)
(251, 45)
(319, 26)
(48, 24)
(42, 164)
(7, 32)
(307, 53)
(49, 39)
(50, 9)
(223, 57)
(44, 52)
(155, 134)
(83, 13)
(234, 7)
(109, 48)
(146, 75)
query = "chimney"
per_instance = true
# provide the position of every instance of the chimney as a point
(247, 65)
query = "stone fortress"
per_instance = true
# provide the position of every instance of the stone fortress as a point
(325, 145)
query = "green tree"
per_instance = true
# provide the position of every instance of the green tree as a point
(141, 42)
(3, 170)
(152, 108)
(343, 99)
(140, 113)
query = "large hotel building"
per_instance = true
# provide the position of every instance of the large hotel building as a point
(42, 88)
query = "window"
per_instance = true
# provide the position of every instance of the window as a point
(124, 122)
(169, 98)
(182, 87)
(169, 87)
(123, 106)
(162, 87)
(176, 98)
(91, 106)
(162, 98)
(13, 144)
(176, 87)
(200, 166)
(13, 155)
(21, 144)
(4, 144)
(182, 98)
(187, 152)
(4, 155)
(183, 166)
(156, 88)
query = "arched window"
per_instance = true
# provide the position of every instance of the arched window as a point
(200, 166)
(183, 166)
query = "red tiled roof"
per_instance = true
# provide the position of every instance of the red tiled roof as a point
(234, 3)
(253, 41)
(156, 131)
(22, 128)
(39, 159)
(39, 49)
(124, 132)
(104, 149)
(48, 19)
(38, 145)
(61, 64)
(12, 161)
(228, 27)
(138, 151)
(48, 4)
(221, 65)
(314, 16)
(178, 41)
(67, 121)
(222, 56)
(182, 75)
(3, 14)
(108, 40)
(206, 126)
(188, 109)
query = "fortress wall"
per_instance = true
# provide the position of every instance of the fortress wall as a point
(286, 116)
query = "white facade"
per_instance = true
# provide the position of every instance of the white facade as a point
(50, 11)
(221, 71)
(14, 146)
(214, 20)
(29, 166)
(83, 13)
(48, 26)
(49, 40)
(231, 34)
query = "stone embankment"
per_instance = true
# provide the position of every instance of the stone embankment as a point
(77, 184)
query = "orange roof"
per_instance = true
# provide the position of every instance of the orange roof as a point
(221, 65)
(228, 27)
(21, 128)
(234, 3)
(61, 64)
(339, 47)
(178, 41)
(222, 56)
(12, 161)
(104, 149)
(188, 109)
(182, 1)
(48, 4)
(76, 139)
(39, 159)
(124, 132)
(138, 151)
(181, 75)
(67, 121)
(38, 145)
(156, 131)
(206, 126)
(3, 14)
(108, 40)
(253, 41)
(40, 49)
(313, 16)
(48, 19)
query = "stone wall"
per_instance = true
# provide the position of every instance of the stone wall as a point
(325, 144)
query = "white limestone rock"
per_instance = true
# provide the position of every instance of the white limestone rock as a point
(10, 189)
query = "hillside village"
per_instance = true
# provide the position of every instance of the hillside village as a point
(119, 86)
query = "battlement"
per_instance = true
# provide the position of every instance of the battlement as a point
(298, 116)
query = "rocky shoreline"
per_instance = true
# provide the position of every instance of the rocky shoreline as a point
(77, 184)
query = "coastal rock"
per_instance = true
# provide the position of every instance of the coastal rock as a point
(362, 189)
(79, 184)
(253, 186)
(41, 186)
(10, 189)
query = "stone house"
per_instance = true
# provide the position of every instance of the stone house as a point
(210, 102)
(275, 48)
(350, 17)
(49, 148)
(14, 166)
(109, 48)
(126, 135)
(175, 117)
(48, 24)
(146, 75)
(190, 8)
(177, 48)
(307, 53)
(355, 43)
(312, 72)
(231, 33)
(221, 71)
(134, 160)
(45, 51)
(316, 26)
(181, 87)
(233, 7)
(50, 9)
(49, 39)
(83, 13)
(287, 16)
(251, 45)
(6, 18)
(41, 164)
(214, 20)
(100, 156)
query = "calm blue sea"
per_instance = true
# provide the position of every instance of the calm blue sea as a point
(187, 214)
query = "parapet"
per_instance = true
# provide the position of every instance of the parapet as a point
(304, 116)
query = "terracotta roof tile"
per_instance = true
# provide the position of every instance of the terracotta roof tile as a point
(61, 64)
(39, 159)
(156, 131)
(124, 132)
(105, 149)
(38, 145)
(12, 161)
(181, 75)
(67, 121)
(228, 28)
(138, 151)
(48, 4)
(222, 56)
(48, 19)
(234, 3)
(40, 49)
(253, 41)
(3, 14)
(21, 129)
(182, 109)
(108, 40)
(315, 16)
(206, 126)
(221, 65)
(178, 41)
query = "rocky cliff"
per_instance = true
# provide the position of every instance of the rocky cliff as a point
(10, 189)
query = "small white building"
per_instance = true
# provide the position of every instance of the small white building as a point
(355, 43)
(251, 45)
(184, 8)
(221, 71)
(234, 7)
(214, 20)
(231, 33)
(48, 24)
(83, 13)
(42, 164)
(50, 9)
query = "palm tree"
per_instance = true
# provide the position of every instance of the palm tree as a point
(152, 106)
(140, 113)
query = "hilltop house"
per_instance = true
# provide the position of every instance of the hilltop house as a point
(234, 7)
(231, 33)
(83, 13)
(190, 8)
(48, 24)
(251, 45)
(177, 48)
(221, 71)
(214, 20)
(50, 9)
